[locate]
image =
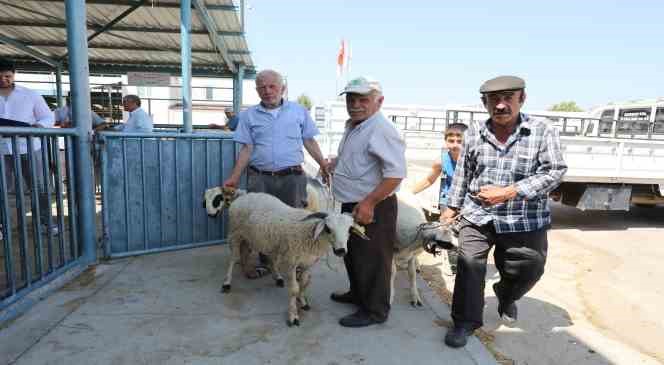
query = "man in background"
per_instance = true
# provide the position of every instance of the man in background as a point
(21, 104)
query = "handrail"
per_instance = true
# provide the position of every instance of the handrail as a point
(30, 131)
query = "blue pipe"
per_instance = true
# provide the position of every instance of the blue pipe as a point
(185, 49)
(79, 73)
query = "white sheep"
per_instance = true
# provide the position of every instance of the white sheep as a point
(414, 233)
(294, 239)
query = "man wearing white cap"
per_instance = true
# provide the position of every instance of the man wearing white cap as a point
(370, 165)
(231, 120)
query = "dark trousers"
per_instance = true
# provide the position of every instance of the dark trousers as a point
(369, 263)
(290, 189)
(519, 258)
(39, 183)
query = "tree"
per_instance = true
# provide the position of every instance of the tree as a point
(566, 106)
(305, 101)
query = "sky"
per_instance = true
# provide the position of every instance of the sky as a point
(439, 52)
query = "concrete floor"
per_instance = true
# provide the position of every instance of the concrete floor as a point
(167, 309)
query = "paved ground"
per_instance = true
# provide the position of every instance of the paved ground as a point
(167, 308)
(599, 301)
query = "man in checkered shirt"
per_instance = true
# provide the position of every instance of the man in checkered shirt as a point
(499, 192)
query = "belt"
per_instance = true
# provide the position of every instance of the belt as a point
(293, 170)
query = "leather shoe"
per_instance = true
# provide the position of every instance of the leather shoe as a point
(358, 319)
(457, 336)
(508, 312)
(346, 298)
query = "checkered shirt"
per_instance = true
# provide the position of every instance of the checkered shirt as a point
(531, 160)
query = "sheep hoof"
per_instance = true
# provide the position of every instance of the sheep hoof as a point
(419, 304)
(280, 283)
(226, 288)
(417, 271)
(295, 322)
(416, 303)
(306, 307)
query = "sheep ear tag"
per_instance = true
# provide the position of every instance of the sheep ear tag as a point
(319, 228)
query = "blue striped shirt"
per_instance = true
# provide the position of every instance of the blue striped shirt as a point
(531, 159)
(277, 139)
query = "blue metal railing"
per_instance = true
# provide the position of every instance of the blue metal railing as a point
(36, 243)
(152, 189)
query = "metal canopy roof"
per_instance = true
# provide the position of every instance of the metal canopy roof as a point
(127, 35)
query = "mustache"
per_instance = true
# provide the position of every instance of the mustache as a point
(502, 112)
(356, 110)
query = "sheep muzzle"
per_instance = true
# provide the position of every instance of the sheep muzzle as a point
(340, 252)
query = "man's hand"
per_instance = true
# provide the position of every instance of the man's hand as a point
(232, 182)
(492, 195)
(327, 168)
(364, 212)
(448, 216)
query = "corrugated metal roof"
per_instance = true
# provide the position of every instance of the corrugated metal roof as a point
(146, 39)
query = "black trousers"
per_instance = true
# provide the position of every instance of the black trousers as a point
(519, 258)
(369, 263)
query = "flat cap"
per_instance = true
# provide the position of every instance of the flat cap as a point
(502, 83)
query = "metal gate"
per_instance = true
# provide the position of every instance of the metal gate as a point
(153, 186)
(39, 215)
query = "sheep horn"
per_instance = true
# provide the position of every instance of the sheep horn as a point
(317, 215)
(359, 231)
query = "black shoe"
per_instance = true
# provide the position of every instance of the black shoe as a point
(358, 319)
(508, 312)
(346, 298)
(457, 336)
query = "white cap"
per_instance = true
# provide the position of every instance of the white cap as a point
(362, 86)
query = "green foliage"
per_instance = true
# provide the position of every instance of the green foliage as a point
(305, 101)
(566, 106)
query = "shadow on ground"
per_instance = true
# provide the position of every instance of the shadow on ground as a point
(542, 325)
(566, 217)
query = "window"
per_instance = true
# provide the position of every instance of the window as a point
(634, 121)
(606, 121)
(319, 114)
(658, 128)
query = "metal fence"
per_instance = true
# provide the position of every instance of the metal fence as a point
(153, 186)
(38, 209)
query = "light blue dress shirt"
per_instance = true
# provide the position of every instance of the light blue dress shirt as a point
(139, 122)
(277, 139)
(64, 113)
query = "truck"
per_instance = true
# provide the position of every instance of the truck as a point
(614, 153)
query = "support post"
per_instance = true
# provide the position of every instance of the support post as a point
(237, 88)
(58, 85)
(79, 73)
(185, 41)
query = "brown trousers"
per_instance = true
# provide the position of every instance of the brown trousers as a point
(369, 263)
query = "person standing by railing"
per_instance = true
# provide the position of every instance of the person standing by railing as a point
(139, 120)
(21, 104)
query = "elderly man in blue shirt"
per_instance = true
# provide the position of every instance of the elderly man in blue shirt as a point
(272, 135)
(139, 121)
